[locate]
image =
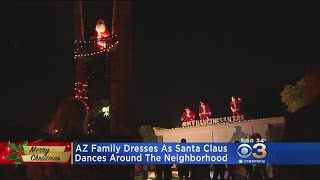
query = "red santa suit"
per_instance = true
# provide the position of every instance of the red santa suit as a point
(235, 107)
(188, 116)
(101, 38)
(204, 112)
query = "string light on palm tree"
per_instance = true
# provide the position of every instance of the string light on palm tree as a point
(81, 90)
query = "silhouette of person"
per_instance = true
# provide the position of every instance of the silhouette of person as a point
(260, 170)
(301, 126)
(144, 171)
(200, 172)
(237, 171)
(68, 124)
(219, 170)
(183, 169)
(165, 169)
(238, 134)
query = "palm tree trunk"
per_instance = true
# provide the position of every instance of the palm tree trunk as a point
(121, 65)
(79, 36)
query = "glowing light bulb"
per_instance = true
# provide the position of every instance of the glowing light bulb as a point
(106, 111)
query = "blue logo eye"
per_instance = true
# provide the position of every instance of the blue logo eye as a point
(244, 150)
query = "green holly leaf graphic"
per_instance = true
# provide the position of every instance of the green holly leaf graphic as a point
(15, 151)
(13, 147)
(18, 161)
(12, 156)
(20, 148)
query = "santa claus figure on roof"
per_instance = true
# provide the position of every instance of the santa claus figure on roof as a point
(188, 115)
(204, 111)
(235, 106)
(100, 34)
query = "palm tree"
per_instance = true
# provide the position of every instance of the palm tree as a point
(121, 65)
(79, 36)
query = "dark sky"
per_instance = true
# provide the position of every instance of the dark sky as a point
(182, 52)
(188, 51)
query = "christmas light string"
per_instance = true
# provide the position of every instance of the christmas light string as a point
(81, 90)
(95, 40)
(108, 49)
(83, 45)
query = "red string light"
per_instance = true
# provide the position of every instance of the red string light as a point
(81, 91)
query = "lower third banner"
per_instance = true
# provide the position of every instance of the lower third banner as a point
(158, 153)
(196, 153)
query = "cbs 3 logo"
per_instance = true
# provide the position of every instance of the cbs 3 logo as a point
(245, 150)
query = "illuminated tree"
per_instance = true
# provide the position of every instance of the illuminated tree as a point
(294, 96)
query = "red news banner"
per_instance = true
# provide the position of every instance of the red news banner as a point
(36, 152)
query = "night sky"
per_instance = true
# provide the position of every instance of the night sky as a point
(183, 52)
